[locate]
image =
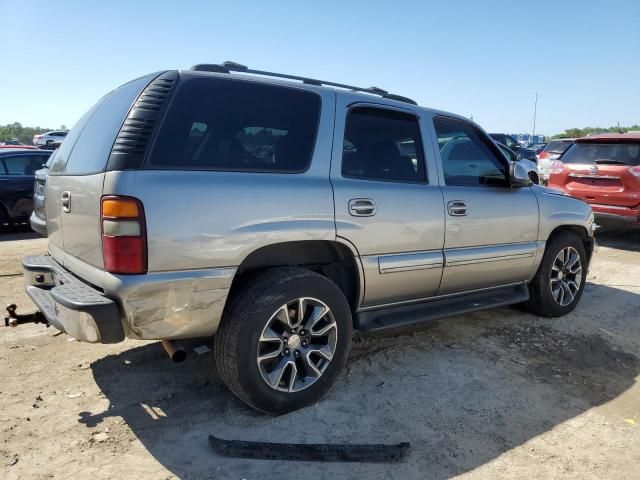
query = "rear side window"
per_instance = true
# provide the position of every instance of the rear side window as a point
(215, 124)
(603, 153)
(91, 150)
(381, 144)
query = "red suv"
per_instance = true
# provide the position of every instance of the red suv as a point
(604, 171)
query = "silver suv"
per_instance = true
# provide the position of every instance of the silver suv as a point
(279, 215)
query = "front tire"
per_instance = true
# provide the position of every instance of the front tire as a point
(284, 339)
(559, 282)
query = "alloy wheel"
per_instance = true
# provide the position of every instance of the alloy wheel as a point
(566, 276)
(297, 344)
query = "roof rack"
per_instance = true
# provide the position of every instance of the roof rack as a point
(228, 67)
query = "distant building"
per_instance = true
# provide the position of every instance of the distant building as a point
(527, 138)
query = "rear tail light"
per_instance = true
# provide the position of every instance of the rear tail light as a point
(124, 236)
(542, 155)
(635, 171)
(556, 167)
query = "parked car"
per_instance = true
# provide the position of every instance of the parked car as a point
(38, 217)
(18, 147)
(280, 215)
(531, 167)
(604, 171)
(553, 151)
(50, 139)
(513, 144)
(539, 148)
(17, 167)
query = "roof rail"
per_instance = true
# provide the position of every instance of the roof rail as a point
(228, 67)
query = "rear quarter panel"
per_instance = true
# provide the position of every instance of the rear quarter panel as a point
(207, 219)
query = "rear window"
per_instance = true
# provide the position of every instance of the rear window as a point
(215, 124)
(603, 153)
(86, 149)
(557, 147)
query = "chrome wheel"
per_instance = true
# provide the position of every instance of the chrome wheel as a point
(566, 276)
(297, 344)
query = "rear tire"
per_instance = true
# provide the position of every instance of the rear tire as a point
(559, 282)
(269, 348)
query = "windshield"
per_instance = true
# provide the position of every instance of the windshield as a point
(612, 153)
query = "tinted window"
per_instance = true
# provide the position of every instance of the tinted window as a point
(23, 164)
(468, 156)
(603, 153)
(216, 124)
(382, 144)
(91, 151)
(557, 147)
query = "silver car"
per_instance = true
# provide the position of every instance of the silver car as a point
(279, 213)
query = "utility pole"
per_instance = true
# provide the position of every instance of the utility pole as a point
(535, 111)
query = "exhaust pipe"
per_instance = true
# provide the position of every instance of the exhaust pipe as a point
(175, 350)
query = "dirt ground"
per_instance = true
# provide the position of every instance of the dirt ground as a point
(490, 395)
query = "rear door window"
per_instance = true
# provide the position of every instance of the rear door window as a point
(232, 125)
(381, 144)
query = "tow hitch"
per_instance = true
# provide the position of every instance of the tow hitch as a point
(14, 319)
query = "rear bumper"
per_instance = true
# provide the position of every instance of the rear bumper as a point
(38, 224)
(71, 305)
(155, 306)
(622, 216)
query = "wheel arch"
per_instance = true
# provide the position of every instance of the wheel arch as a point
(578, 230)
(332, 259)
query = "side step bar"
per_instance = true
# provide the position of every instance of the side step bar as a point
(389, 317)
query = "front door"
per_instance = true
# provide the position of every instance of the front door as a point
(388, 202)
(491, 228)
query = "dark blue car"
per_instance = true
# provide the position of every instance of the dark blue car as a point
(17, 168)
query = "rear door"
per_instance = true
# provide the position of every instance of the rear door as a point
(491, 229)
(74, 186)
(388, 203)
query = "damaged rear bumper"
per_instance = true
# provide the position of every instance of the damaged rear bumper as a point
(158, 305)
(69, 304)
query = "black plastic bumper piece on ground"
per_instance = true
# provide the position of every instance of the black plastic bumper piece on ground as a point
(318, 452)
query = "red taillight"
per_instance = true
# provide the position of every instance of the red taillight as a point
(635, 171)
(556, 167)
(124, 239)
(542, 155)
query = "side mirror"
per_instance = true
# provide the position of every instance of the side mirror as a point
(518, 175)
(518, 157)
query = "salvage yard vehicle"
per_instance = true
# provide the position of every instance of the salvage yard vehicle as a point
(532, 167)
(552, 152)
(604, 171)
(17, 167)
(278, 213)
(38, 217)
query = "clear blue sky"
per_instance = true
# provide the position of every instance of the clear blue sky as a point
(481, 58)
